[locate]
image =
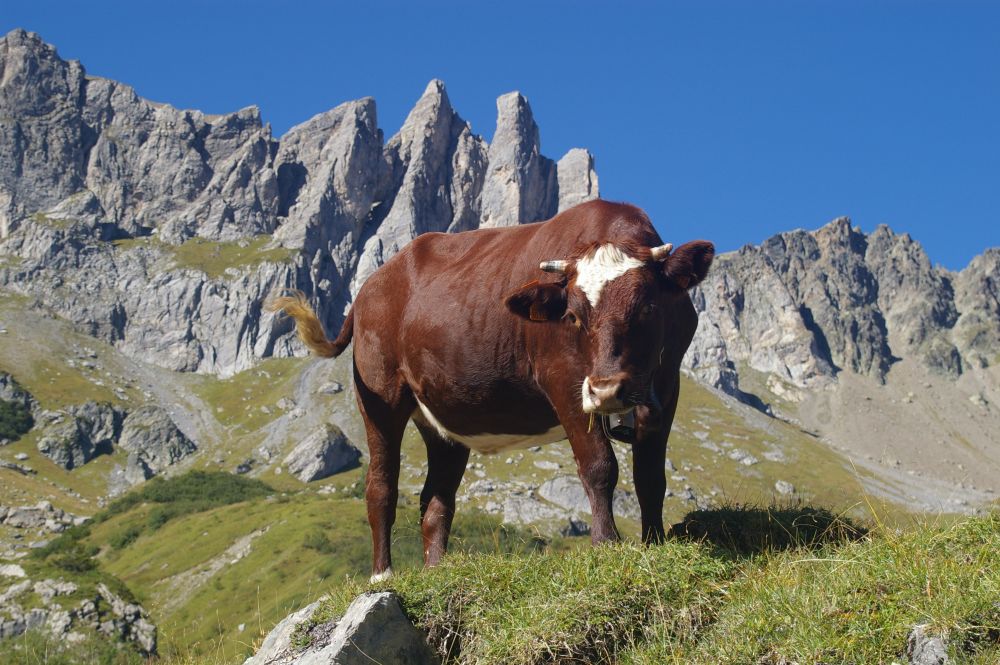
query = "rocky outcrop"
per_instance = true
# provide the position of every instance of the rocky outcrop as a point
(977, 298)
(73, 437)
(42, 517)
(153, 443)
(98, 163)
(322, 454)
(521, 185)
(435, 167)
(373, 629)
(49, 605)
(11, 391)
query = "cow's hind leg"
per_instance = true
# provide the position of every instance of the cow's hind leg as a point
(385, 417)
(446, 462)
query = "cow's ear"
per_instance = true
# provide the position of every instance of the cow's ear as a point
(538, 302)
(689, 263)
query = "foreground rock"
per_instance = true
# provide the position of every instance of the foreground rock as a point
(153, 442)
(322, 454)
(923, 648)
(373, 629)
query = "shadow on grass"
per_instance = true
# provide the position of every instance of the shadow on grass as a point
(744, 531)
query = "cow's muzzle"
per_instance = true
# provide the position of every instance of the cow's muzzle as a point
(604, 395)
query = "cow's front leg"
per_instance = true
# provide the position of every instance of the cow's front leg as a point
(649, 456)
(598, 470)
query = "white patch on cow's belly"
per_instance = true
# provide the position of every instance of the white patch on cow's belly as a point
(489, 443)
(603, 265)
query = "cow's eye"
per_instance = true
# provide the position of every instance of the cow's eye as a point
(572, 318)
(647, 310)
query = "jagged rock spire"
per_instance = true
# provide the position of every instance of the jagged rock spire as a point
(521, 185)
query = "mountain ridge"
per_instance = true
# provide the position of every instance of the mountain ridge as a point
(161, 231)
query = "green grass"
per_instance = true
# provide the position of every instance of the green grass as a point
(237, 401)
(788, 585)
(214, 257)
(55, 222)
(203, 574)
(195, 491)
(38, 647)
(856, 602)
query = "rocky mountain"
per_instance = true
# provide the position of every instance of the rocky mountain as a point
(804, 306)
(138, 241)
(106, 199)
(161, 231)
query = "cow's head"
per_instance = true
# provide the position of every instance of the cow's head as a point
(616, 301)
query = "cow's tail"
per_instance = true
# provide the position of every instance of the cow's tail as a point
(308, 325)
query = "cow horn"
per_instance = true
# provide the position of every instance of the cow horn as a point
(661, 252)
(554, 266)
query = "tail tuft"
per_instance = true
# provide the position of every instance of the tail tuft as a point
(308, 325)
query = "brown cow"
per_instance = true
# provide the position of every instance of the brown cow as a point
(467, 336)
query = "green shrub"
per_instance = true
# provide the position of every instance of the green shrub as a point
(77, 559)
(326, 570)
(15, 420)
(192, 492)
(67, 540)
(124, 538)
(319, 541)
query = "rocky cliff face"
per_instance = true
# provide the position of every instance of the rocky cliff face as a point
(804, 306)
(103, 195)
(162, 230)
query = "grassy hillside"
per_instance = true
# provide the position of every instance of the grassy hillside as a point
(760, 587)
(219, 559)
(217, 576)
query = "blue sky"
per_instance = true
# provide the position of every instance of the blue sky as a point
(730, 121)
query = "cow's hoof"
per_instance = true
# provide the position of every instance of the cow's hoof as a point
(379, 577)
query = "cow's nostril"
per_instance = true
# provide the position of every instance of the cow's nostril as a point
(604, 389)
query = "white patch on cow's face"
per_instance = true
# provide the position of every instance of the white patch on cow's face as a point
(603, 265)
(588, 401)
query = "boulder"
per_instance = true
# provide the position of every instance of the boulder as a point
(42, 516)
(527, 510)
(277, 646)
(75, 436)
(784, 487)
(11, 391)
(11, 570)
(128, 621)
(153, 442)
(568, 492)
(923, 648)
(322, 454)
(373, 629)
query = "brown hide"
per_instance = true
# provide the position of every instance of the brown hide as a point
(489, 344)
